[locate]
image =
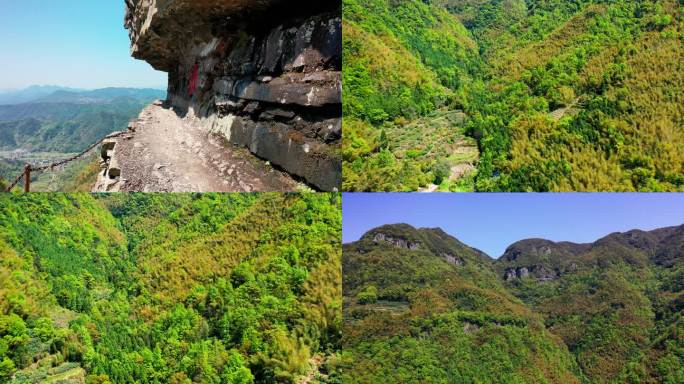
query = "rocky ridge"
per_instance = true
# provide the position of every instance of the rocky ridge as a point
(539, 259)
(442, 302)
(395, 241)
(425, 240)
(546, 260)
(612, 309)
(265, 75)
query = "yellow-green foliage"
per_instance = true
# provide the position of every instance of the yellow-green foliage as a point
(81, 178)
(406, 156)
(561, 95)
(402, 60)
(621, 82)
(419, 306)
(616, 304)
(208, 288)
(433, 320)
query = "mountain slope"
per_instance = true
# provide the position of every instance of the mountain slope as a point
(238, 288)
(607, 312)
(67, 121)
(613, 302)
(561, 95)
(422, 307)
(57, 125)
(403, 60)
(572, 108)
(102, 95)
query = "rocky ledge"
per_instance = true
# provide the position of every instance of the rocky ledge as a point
(264, 74)
(395, 241)
(538, 272)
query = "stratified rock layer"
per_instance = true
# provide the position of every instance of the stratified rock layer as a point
(263, 74)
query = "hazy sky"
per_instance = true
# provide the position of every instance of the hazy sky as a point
(75, 43)
(491, 222)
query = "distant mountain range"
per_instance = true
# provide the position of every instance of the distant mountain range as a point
(545, 312)
(54, 93)
(58, 119)
(31, 93)
(101, 96)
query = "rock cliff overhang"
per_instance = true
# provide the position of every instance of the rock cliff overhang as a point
(265, 74)
(161, 29)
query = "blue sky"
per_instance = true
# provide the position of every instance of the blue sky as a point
(491, 222)
(75, 43)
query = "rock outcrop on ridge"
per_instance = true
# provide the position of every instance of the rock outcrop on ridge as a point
(264, 74)
(545, 260)
(602, 312)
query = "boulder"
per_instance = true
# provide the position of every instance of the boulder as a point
(106, 148)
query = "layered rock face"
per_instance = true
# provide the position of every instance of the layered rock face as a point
(539, 272)
(395, 241)
(265, 74)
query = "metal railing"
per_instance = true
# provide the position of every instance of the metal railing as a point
(28, 168)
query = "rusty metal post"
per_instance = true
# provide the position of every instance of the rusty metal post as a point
(27, 178)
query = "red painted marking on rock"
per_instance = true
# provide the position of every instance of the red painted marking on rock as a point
(194, 75)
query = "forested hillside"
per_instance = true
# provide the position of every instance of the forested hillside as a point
(169, 288)
(419, 307)
(582, 95)
(69, 121)
(402, 60)
(51, 124)
(618, 304)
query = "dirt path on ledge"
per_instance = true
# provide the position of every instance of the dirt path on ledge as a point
(168, 153)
